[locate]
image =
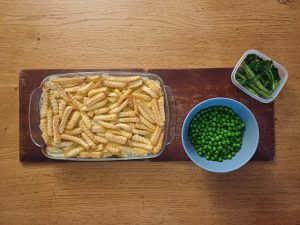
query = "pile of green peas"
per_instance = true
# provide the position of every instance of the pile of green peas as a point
(216, 133)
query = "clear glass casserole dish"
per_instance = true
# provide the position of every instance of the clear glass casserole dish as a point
(36, 102)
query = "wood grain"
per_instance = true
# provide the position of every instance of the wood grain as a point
(148, 34)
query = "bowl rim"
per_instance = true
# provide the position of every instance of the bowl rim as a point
(195, 108)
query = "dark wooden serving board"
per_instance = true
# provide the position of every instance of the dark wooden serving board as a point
(190, 86)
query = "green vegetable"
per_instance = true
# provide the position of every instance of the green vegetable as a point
(258, 76)
(216, 133)
(251, 75)
(259, 91)
(251, 90)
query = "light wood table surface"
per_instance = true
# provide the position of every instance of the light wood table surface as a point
(148, 34)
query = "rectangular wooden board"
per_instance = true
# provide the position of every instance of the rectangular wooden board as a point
(189, 86)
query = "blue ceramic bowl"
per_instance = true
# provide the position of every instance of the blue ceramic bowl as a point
(250, 137)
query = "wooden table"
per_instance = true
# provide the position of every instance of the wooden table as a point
(148, 34)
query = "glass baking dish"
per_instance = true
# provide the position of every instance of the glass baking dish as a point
(36, 101)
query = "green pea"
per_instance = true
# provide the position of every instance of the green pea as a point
(216, 132)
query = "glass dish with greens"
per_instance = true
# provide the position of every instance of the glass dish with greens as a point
(259, 76)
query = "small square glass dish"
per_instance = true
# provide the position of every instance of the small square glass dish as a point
(255, 85)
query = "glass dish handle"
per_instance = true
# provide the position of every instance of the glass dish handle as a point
(33, 117)
(172, 115)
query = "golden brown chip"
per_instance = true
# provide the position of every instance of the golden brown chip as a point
(54, 104)
(161, 106)
(94, 92)
(64, 119)
(95, 99)
(112, 149)
(129, 120)
(158, 147)
(88, 140)
(145, 112)
(115, 138)
(156, 112)
(97, 129)
(135, 84)
(50, 122)
(124, 96)
(120, 107)
(96, 106)
(142, 145)
(107, 125)
(86, 130)
(109, 117)
(124, 126)
(61, 107)
(72, 89)
(141, 96)
(101, 139)
(141, 139)
(74, 120)
(56, 135)
(147, 123)
(75, 139)
(96, 155)
(84, 155)
(86, 120)
(155, 136)
(127, 114)
(114, 84)
(140, 132)
(86, 88)
(45, 102)
(149, 91)
(70, 80)
(74, 101)
(64, 144)
(75, 131)
(123, 78)
(102, 110)
(74, 152)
